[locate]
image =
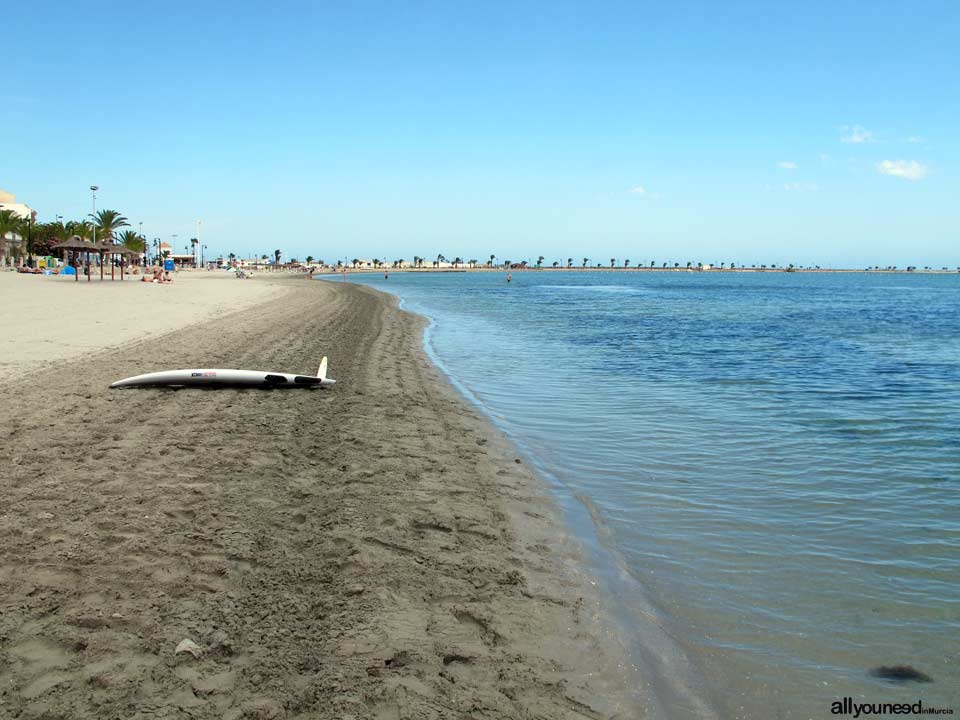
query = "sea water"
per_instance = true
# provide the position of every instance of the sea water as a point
(770, 462)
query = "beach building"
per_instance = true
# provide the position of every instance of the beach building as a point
(25, 212)
(8, 202)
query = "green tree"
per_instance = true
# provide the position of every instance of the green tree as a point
(276, 257)
(107, 223)
(9, 225)
(585, 261)
(131, 240)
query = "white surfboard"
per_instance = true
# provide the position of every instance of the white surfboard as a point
(216, 376)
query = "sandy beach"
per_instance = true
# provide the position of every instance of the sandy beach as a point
(45, 319)
(376, 550)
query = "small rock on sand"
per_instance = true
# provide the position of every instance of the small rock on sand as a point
(188, 646)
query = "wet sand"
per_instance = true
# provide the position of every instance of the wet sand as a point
(370, 551)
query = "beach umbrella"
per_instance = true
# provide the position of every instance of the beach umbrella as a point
(74, 243)
(125, 253)
(102, 249)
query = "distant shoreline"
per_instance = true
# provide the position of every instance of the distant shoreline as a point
(335, 271)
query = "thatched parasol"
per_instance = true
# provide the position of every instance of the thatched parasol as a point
(126, 253)
(75, 243)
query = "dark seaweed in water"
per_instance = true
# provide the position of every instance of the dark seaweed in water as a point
(900, 673)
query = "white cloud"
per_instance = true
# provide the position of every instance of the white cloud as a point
(644, 193)
(800, 187)
(916, 140)
(906, 169)
(787, 165)
(856, 135)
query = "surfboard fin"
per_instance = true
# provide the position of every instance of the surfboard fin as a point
(322, 371)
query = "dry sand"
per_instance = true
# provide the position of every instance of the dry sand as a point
(369, 551)
(45, 318)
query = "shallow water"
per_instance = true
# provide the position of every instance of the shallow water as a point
(771, 460)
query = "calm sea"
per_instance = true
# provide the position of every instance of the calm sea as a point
(766, 466)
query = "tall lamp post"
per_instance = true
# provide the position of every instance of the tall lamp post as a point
(196, 243)
(156, 249)
(202, 248)
(144, 241)
(93, 190)
(173, 246)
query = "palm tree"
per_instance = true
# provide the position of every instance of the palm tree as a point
(233, 256)
(309, 259)
(689, 263)
(626, 263)
(9, 224)
(355, 262)
(492, 258)
(132, 240)
(457, 261)
(440, 259)
(613, 261)
(569, 262)
(107, 222)
(473, 263)
(276, 257)
(585, 261)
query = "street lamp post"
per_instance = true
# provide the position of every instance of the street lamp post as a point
(172, 246)
(202, 248)
(93, 190)
(144, 241)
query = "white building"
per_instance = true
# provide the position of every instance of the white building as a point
(8, 202)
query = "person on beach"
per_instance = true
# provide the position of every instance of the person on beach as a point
(509, 277)
(386, 274)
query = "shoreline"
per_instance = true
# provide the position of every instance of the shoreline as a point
(678, 687)
(813, 271)
(373, 550)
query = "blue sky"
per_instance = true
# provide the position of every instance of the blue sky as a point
(749, 132)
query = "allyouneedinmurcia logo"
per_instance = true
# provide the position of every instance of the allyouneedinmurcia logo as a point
(847, 706)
